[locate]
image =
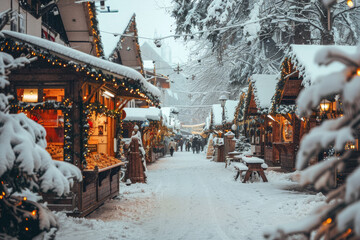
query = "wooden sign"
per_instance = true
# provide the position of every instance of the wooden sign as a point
(92, 147)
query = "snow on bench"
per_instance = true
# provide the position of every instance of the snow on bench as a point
(240, 166)
(264, 166)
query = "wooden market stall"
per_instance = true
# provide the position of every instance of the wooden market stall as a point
(150, 123)
(78, 99)
(258, 127)
(220, 127)
(299, 70)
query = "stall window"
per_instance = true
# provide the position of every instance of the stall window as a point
(28, 95)
(51, 119)
(56, 94)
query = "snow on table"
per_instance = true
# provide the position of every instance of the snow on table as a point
(235, 152)
(252, 160)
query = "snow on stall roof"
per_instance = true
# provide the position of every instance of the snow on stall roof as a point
(142, 114)
(230, 108)
(122, 19)
(264, 86)
(80, 57)
(303, 56)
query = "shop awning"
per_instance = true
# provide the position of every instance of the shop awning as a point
(97, 67)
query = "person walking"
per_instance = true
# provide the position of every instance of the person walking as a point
(172, 146)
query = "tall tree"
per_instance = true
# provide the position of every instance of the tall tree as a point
(255, 34)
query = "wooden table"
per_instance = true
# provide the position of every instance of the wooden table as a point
(253, 164)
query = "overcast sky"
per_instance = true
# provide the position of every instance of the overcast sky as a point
(152, 18)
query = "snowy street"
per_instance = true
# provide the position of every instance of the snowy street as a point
(190, 197)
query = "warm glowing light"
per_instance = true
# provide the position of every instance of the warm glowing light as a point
(85, 97)
(33, 212)
(108, 94)
(3, 193)
(25, 198)
(325, 105)
(358, 72)
(269, 116)
(27, 229)
(1, 197)
(350, 3)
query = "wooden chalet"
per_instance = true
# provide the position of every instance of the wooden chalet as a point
(299, 70)
(149, 121)
(78, 98)
(257, 125)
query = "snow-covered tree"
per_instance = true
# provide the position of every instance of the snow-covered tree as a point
(26, 168)
(340, 217)
(253, 35)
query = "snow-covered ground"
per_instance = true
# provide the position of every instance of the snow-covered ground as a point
(190, 197)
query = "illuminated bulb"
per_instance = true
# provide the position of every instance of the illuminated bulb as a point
(25, 198)
(33, 212)
(358, 71)
(26, 229)
(350, 3)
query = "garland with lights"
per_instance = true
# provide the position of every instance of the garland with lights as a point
(87, 110)
(286, 69)
(95, 30)
(135, 88)
(247, 99)
(65, 106)
(239, 112)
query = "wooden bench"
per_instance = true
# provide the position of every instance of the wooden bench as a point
(240, 167)
(254, 164)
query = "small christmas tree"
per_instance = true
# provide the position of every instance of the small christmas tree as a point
(242, 144)
(340, 218)
(26, 168)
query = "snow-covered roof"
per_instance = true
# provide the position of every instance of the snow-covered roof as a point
(264, 86)
(111, 41)
(230, 108)
(303, 57)
(142, 114)
(83, 58)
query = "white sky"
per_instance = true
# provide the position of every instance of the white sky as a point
(152, 19)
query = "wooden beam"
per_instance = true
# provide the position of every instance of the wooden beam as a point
(93, 93)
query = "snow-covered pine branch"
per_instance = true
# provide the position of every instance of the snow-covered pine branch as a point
(341, 216)
(26, 165)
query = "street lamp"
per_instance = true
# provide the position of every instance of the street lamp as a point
(222, 100)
